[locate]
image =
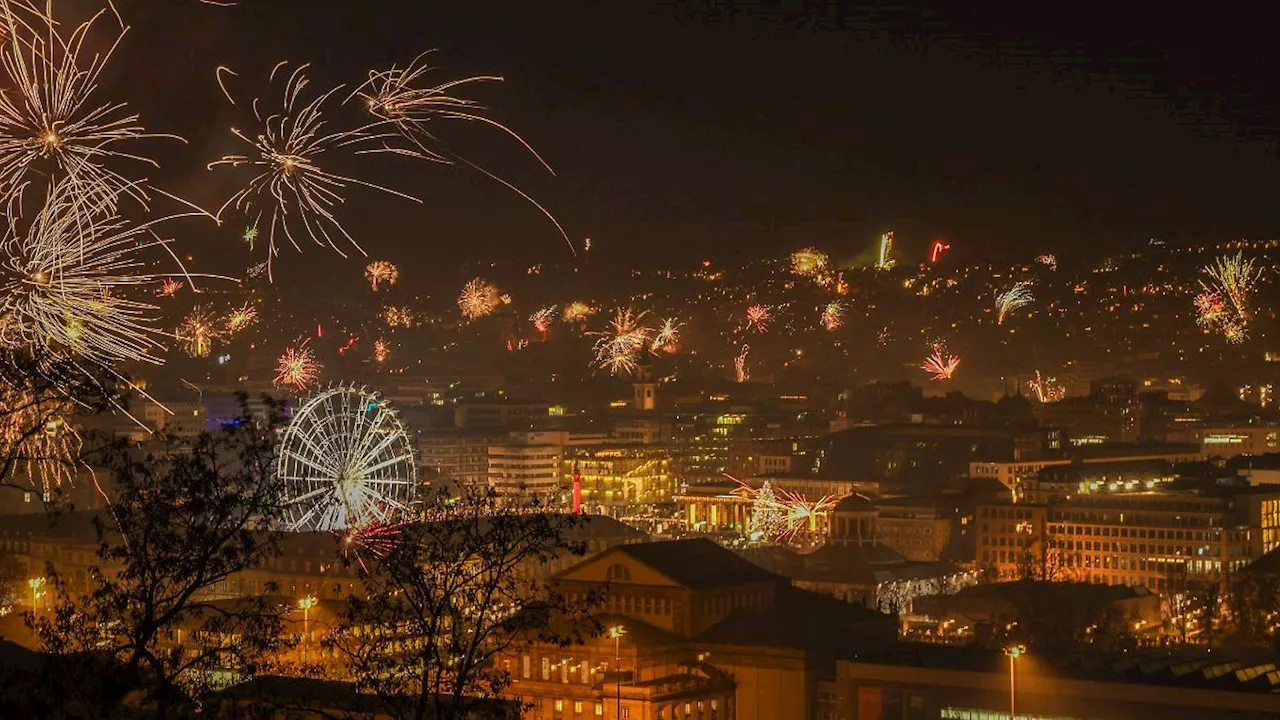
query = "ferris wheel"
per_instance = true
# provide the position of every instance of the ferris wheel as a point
(346, 461)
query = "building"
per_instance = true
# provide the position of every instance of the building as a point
(702, 633)
(920, 681)
(1156, 538)
(723, 506)
(498, 413)
(916, 528)
(1228, 442)
(620, 481)
(517, 469)
(1012, 473)
(458, 457)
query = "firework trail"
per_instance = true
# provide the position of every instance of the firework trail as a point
(400, 97)
(478, 299)
(381, 271)
(1015, 297)
(740, 365)
(758, 317)
(833, 315)
(375, 537)
(940, 365)
(543, 318)
(241, 318)
(666, 338)
(297, 368)
(197, 332)
(290, 191)
(1047, 389)
(619, 347)
(49, 120)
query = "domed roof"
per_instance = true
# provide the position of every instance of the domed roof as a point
(854, 503)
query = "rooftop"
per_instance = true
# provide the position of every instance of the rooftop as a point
(698, 563)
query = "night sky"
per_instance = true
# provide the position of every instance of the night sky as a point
(687, 129)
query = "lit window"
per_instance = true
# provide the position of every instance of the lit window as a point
(577, 707)
(599, 709)
(559, 706)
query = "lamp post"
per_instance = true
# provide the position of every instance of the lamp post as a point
(616, 632)
(1014, 652)
(306, 604)
(37, 585)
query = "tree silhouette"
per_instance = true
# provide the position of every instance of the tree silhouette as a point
(155, 626)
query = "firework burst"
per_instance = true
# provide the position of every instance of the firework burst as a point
(375, 538)
(291, 192)
(833, 315)
(666, 338)
(940, 365)
(1224, 304)
(34, 432)
(576, 311)
(618, 349)
(59, 274)
(543, 318)
(297, 368)
(197, 332)
(809, 262)
(1046, 389)
(1049, 261)
(401, 98)
(169, 287)
(796, 514)
(379, 272)
(478, 299)
(48, 116)
(397, 316)
(381, 351)
(758, 317)
(241, 318)
(1015, 297)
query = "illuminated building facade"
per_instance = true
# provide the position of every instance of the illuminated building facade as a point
(530, 470)
(1012, 474)
(1228, 442)
(457, 456)
(620, 481)
(1156, 539)
(914, 528)
(718, 506)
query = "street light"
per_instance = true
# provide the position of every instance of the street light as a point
(306, 604)
(616, 632)
(37, 590)
(1014, 652)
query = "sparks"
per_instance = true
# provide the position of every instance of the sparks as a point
(808, 262)
(1046, 389)
(794, 513)
(289, 190)
(542, 319)
(1049, 261)
(740, 365)
(48, 114)
(1015, 297)
(576, 311)
(885, 260)
(197, 332)
(381, 271)
(398, 316)
(169, 287)
(937, 249)
(666, 338)
(940, 365)
(832, 315)
(400, 98)
(619, 347)
(381, 351)
(478, 299)
(758, 317)
(34, 430)
(241, 318)
(297, 368)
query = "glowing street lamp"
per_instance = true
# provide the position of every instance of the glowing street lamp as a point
(306, 604)
(37, 591)
(1014, 652)
(616, 632)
